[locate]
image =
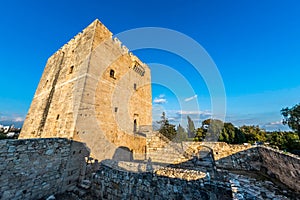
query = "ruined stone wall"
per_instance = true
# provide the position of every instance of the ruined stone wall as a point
(173, 153)
(79, 97)
(283, 166)
(36, 168)
(248, 159)
(110, 183)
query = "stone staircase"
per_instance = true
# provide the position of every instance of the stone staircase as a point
(161, 150)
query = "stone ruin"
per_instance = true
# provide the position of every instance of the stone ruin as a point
(88, 135)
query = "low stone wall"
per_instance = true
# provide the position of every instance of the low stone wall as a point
(175, 153)
(282, 166)
(110, 183)
(248, 159)
(35, 168)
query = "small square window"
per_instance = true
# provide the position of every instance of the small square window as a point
(112, 73)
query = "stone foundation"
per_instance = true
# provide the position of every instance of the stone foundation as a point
(35, 168)
(38, 168)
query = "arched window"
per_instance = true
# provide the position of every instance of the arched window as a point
(112, 73)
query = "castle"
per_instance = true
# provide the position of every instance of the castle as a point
(95, 91)
(93, 101)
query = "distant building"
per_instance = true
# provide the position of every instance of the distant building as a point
(5, 129)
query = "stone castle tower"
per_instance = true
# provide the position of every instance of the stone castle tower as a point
(94, 91)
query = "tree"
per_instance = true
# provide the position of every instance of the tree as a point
(239, 136)
(228, 133)
(292, 117)
(200, 135)
(181, 134)
(285, 141)
(213, 129)
(253, 134)
(166, 128)
(190, 128)
(231, 134)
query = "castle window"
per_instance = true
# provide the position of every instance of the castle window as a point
(57, 117)
(134, 86)
(112, 73)
(116, 109)
(71, 69)
(134, 126)
(139, 69)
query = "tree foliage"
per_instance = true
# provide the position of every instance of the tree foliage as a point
(181, 134)
(217, 130)
(166, 128)
(253, 134)
(292, 117)
(228, 133)
(190, 128)
(212, 128)
(288, 141)
(200, 135)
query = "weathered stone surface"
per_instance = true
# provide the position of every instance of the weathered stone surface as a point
(93, 90)
(110, 183)
(283, 166)
(33, 174)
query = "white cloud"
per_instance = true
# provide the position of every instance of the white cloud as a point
(275, 126)
(18, 119)
(275, 123)
(185, 112)
(160, 99)
(199, 112)
(190, 98)
(12, 118)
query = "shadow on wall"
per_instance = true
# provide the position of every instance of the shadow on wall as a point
(123, 154)
(270, 162)
(124, 184)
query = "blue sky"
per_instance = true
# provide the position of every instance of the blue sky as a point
(254, 44)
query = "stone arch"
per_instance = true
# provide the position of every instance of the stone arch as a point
(123, 153)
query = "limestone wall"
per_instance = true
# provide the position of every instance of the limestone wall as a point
(160, 149)
(94, 91)
(111, 183)
(248, 159)
(284, 167)
(53, 109)
(36, 168)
